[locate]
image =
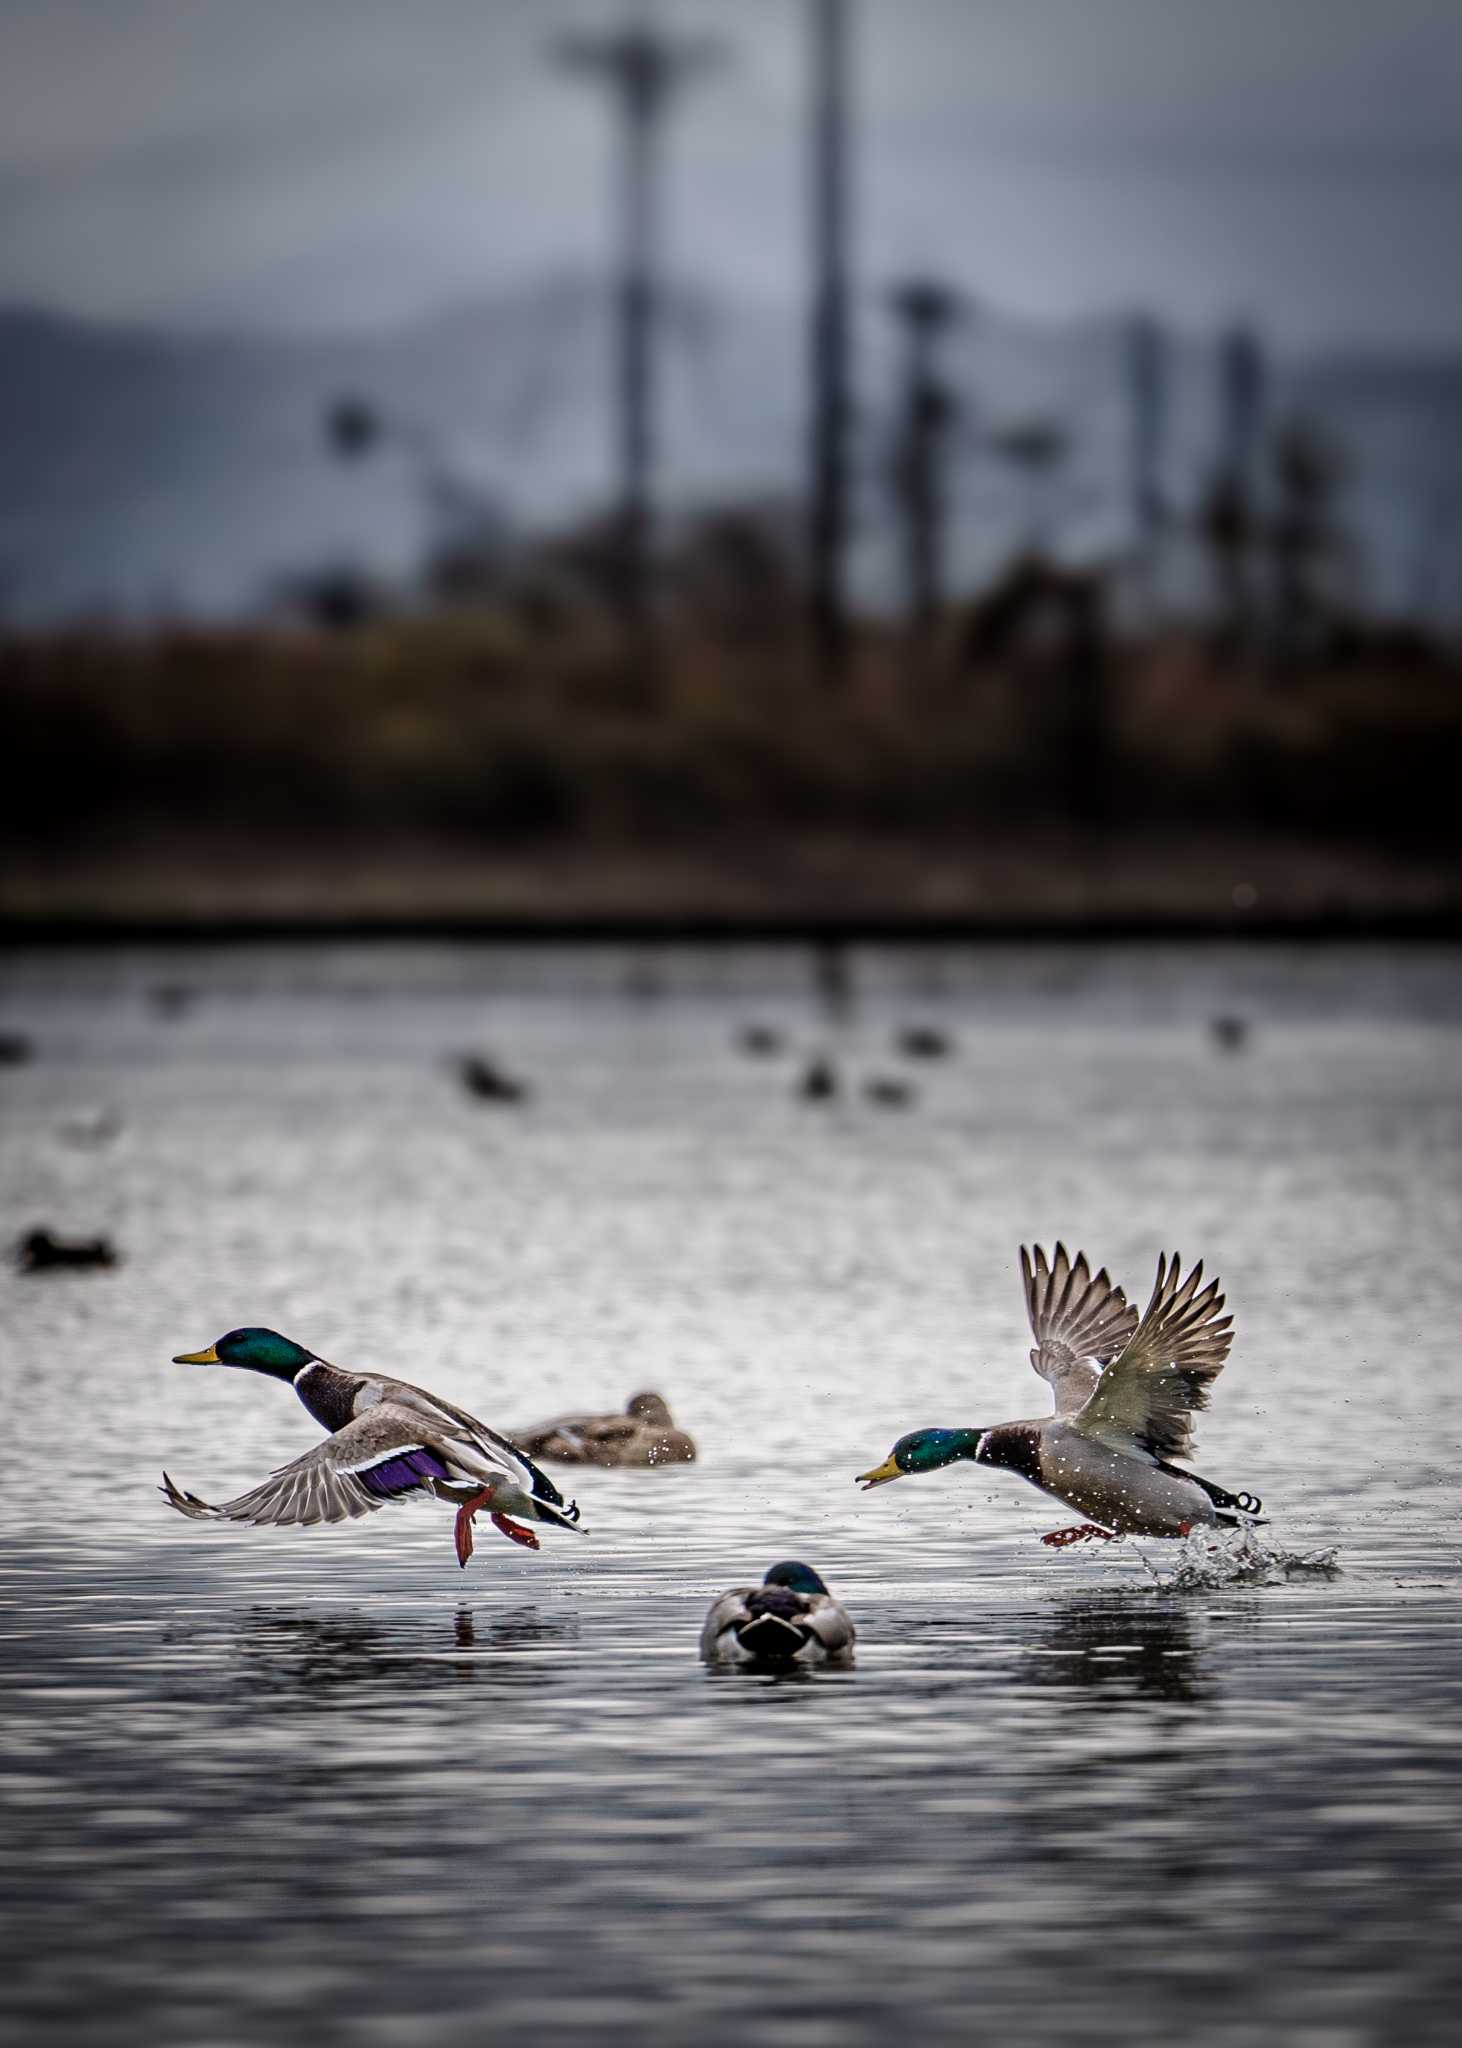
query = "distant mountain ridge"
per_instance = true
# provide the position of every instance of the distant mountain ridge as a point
(152, 472)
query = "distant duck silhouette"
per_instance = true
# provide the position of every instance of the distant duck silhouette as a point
(485, 1081)
(1229, 1033)
(790, 1618)
(171, 999)
(760, 1041)
(832, 975)
(923, 1042)
(887, 1092)
(819, 1082)
(643, 983)
(642, 1434)
(41, 1251)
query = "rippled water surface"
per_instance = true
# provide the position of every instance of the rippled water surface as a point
(321, 1786)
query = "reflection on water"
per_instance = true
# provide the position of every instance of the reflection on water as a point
(323, 1786)
(1119, 1649)
(346, 1659)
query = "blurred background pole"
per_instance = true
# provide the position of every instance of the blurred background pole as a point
(641, 67)
(1241, 380)
(643, 88)
(829, 341)
(1147, 379)
(1230, 516)
(924, 308)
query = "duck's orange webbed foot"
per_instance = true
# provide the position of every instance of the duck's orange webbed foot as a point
(462, 1534)
(1059, 1538)
(516, 1532)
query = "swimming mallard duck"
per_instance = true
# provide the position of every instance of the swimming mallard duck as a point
(790, 1618)
(643, 1434)
(1107, 1449)
(388, 1439)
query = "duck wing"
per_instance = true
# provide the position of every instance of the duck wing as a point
(383, 1456)
(1079, 1323)
(831, 1625)
(460, 1431)
(1146, 1398)
(726, 1616)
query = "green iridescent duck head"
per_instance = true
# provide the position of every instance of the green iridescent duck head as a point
(923, 1450)
(255, 1351)
(798, 1578)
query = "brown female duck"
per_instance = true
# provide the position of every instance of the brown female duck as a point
(641, 1435)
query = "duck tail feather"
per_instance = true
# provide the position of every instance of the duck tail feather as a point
(772, 1637)
(1247, 1506)
(560, 1514)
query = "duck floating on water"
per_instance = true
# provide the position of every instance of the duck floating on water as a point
(486, 1081)
(790, 1618)
(641, 1434)
(388, 1440)
(41, 1251)
(1125, 1394)
(819, 1082)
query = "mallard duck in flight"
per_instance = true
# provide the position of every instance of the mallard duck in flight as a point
(790, 1618)
(1108, 1449)
(388, 1440)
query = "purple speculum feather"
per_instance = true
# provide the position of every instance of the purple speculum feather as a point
(403, 1473)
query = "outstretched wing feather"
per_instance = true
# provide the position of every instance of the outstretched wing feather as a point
(1079, 1321)
(1148, 1396)
(378, 1458)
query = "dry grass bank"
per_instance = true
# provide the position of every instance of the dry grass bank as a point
(466, 757)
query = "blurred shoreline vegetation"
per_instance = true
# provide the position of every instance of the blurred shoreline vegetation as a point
(512, 748)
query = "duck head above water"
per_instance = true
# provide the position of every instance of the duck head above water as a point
(797, 1578)
(255, 1350)
(923, 1450)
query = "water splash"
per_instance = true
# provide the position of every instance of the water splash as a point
(1240, 1558)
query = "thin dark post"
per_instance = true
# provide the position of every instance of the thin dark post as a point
(644, 80)
(1147, 372)
(642, 68)
(1230, 520)
(829, 340)
(1241, 377)
(925, 308)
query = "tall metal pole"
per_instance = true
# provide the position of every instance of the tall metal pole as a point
(641, 68)
(1147, 373)
(829, 340)
(1230, 514)
(1241, 401)
(643, 86)
(925, 307)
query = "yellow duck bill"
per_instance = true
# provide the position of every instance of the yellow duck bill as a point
(208, 1356)
(880, 1475)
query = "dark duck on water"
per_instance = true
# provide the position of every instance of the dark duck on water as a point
(790, 1618)
(1125, 1394)
(388, 1440)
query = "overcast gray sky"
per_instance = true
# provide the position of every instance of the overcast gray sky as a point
(325, 163)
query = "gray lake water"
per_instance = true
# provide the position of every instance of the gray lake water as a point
(322, 1786)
